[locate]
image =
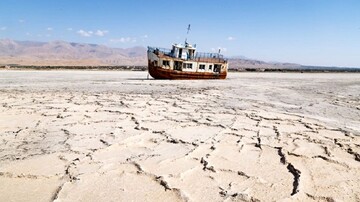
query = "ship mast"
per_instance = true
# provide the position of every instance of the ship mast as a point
(187, 33)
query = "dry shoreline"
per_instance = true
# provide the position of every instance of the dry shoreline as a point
(301, 69)
(101, 135)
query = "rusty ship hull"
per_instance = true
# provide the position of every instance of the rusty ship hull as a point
(160, 73)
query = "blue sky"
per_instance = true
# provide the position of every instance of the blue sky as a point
(310, 32)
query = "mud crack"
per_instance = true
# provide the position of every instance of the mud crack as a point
(281, 154)
(296, 174)
(206, 165)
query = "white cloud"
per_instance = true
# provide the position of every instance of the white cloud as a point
(101, 32)
(230, 38)
(3, 28)
(84, 33)
(69, 29)
(49, 29)
(28, 34)
(123, 40)
(21, 21)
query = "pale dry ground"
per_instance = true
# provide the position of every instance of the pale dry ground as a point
(113, 136)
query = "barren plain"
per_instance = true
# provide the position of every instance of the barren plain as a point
(118, 136)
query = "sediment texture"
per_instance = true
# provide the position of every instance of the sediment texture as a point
(113, 136)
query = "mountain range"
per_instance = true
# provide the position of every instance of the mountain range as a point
(61, 53)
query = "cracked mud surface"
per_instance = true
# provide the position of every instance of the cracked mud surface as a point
(102, 136)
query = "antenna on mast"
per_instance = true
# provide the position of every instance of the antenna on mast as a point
(187, 33)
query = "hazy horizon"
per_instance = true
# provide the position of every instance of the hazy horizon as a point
(321, 33)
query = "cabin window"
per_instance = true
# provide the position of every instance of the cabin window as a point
(180, 52)
(202, 67)
(177, 65)
(210, 67)
(189, 66)
(191, 54)
(217, 68)
(166, 63)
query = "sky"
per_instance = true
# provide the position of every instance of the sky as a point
(308, 32)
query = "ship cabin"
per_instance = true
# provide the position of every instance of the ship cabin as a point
(185, 58)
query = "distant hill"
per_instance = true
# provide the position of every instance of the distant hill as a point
(244, 63)
(61, 53)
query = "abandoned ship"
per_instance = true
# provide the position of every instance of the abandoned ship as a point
(183, 62)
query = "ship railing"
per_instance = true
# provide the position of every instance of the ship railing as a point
(199, 56)
(216, 57)
(164, 51)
